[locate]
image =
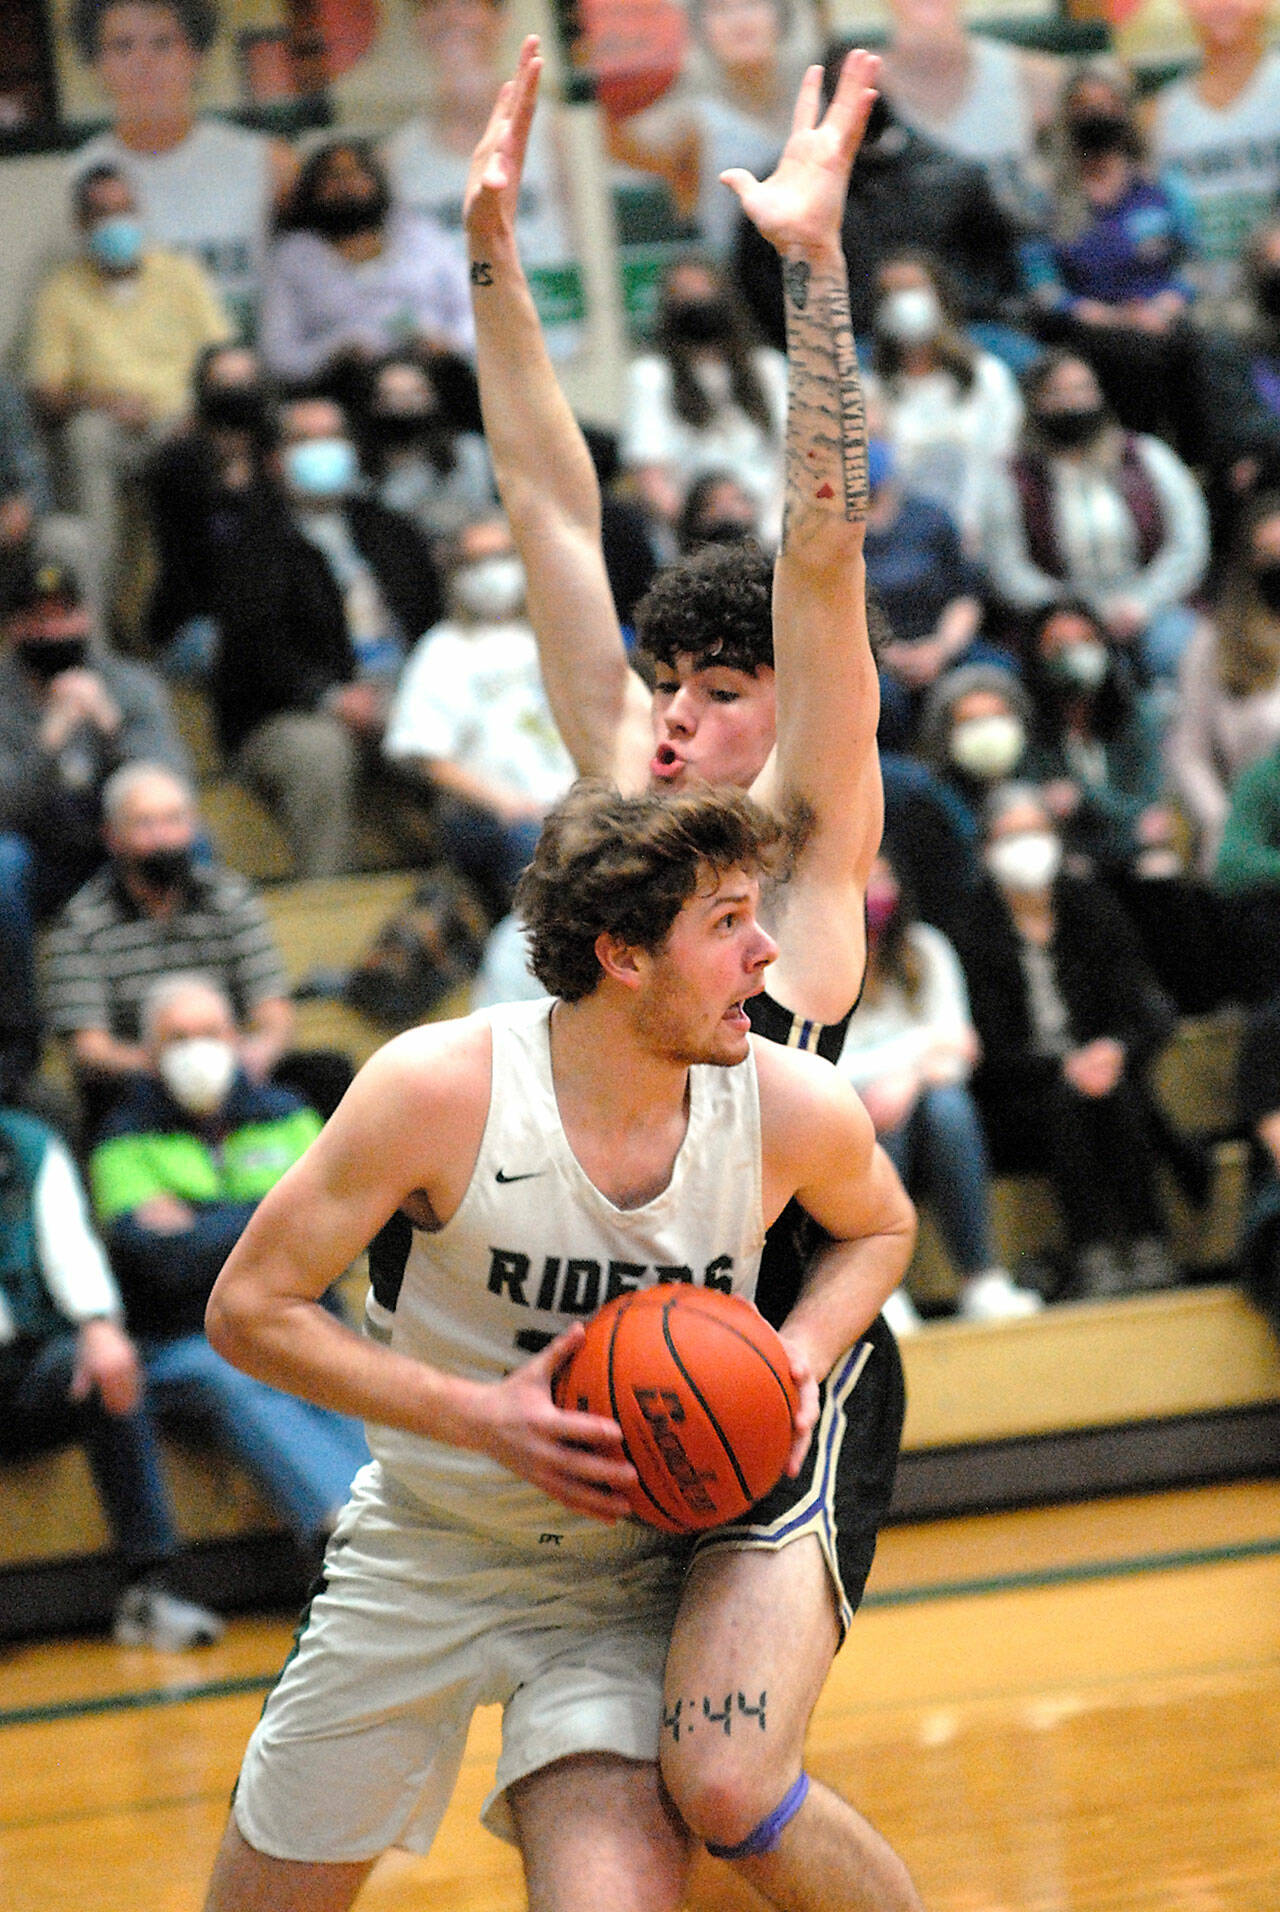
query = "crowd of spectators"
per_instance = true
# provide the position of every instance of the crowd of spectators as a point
(255, 371)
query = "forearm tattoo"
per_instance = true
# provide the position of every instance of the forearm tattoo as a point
(481, 272)
(826, 417)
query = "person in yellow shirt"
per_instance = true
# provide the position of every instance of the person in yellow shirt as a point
(115, 337)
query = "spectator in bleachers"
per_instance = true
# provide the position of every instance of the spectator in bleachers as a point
(1218, 131)
(716, 510)
(202, 485)
(707, 397)
(204, 186)
(158, 906)
(909, 1052)
(321, 596)
(1246, 878)
(1258, 1109)
(1228, 709)
(349, 279)
(931, 838)
(1110, 279)
(978, 97)
(428, 158)
(1240, 450)
(950, 409)
(116, 335)
(731, 109)
(1088, 512)
(26, 490)
(1068, 1016)
(926, 589)
(69, 1372)
(415, 458)
(975, 731)
(471, 720)
(181, 1166)
(905, 191)
(69, 716)
(1096, 746)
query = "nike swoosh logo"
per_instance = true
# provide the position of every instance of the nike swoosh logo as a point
(528, 1176)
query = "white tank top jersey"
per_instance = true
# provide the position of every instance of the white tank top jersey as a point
(535, 1246)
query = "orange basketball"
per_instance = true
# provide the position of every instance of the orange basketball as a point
(701, 1387)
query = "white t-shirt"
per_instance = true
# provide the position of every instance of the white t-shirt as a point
(1228, 161)
(211, 195)
(948, 440)
(429, 177)
(471, 694)
(653, 433)
(993, 124)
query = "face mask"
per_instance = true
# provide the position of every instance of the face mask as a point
(910, 316)
(1072, 427)
(1094, 134)
(197, 1073)
(234, 408)
(47, 657)
(1266, 582)
(881, 463)
(1082, 665)
(321, 467)
(162, 869)
(352, 213)
(699, 321)
(116, 243)
(988, 747)
(1026, 862)
(491, 589)
(402, 428)
(882, 906)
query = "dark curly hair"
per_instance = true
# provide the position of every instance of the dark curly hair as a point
(198, 19)
(715, 606)
(626, 866)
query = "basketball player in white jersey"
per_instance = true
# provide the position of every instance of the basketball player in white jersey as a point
(628, 1131)
(772, 1597)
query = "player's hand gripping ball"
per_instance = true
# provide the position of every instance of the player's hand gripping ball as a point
(701, 1387)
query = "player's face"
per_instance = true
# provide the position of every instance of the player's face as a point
(714, 725)
(714, 958)
(145, 60)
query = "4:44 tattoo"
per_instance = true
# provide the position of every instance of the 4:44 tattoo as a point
(684, 1715)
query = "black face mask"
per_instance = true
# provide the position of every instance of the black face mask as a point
(1075, 426)
(234, 408)
(1266, 582)
(47, 657)
(402, 428)
(1095, 134)
(162, 869)
(699, 321)
(353, 213)
(1268, 292)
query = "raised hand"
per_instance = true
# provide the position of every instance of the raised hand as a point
(799, 207)
(497, 164)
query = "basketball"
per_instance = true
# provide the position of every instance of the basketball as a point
(701, 1387)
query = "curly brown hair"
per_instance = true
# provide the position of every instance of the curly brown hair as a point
(715, 606)
(626, 866)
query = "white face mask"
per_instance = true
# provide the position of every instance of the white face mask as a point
(911, 316)
(491, 589)
(198, 1072)
(1025, 862)
(988, 747)
(1082, 664)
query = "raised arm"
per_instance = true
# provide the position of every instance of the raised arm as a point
(544, 471)
(827, 685)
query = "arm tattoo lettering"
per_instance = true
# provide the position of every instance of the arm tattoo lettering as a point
(826, 416)
(683, 1715)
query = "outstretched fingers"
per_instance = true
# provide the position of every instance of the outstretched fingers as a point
(498, 160)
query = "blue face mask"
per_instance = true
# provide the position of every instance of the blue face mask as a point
(321, 467)
(880, 462)
(116, 242)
